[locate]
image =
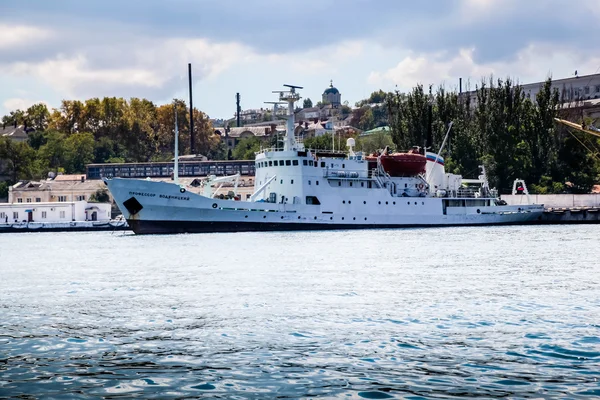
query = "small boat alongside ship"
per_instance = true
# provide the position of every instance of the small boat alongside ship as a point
(301, 189)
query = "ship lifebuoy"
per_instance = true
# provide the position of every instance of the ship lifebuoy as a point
(421, 186)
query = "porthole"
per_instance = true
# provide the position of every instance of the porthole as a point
(315, 217)
(245, 216)
(342, 218)
(365, 218)
(379, 202)
(415, 203)
(343, 201)
(386, 203)
(394, 203)
(364, 202)
(298, 217)
(331, 218)
(422, 203)
(408, 202)
(282, 217)
(354, 218)
(264, 216)
(214, 205)
(478, 211)
(349, 202)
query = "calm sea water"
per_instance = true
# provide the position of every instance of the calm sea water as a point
(415, 313)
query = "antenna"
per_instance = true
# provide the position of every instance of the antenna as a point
(275, 104)
(294, 87)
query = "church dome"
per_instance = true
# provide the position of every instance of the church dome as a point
(331, 89)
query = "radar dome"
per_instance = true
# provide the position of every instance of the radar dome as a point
(350, 142)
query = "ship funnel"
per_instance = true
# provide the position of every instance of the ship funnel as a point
(435, 171)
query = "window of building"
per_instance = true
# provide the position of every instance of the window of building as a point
(43, 214)
(81, 198)
(15, 215)
(598, 89)
(29, 199)
(2, 216)
(294, 162)
(19, 200)
(308, 183)
(38, 200)
(62, 198)
(62, 214)
(586, 90)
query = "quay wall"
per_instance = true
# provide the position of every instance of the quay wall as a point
(555, 200)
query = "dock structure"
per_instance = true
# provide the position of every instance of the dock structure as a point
(571, 215)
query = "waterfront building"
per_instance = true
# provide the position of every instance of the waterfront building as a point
(60, 189)
(54, 212)
(165, 169)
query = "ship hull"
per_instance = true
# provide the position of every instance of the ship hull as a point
(160, 208)
(150, 227)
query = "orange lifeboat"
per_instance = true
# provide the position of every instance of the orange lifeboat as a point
(401, 164)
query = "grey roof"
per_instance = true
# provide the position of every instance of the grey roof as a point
(30, 186)
(12, 132)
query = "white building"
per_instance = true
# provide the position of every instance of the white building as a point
(54, 212)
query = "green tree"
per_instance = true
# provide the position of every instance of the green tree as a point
(38, 116)
(246, 148)
(79, 151)
(307, 103)
(19, 158)
(100, 196)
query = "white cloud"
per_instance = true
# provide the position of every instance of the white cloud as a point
(17, 103)
(21, 35)
(534, 63)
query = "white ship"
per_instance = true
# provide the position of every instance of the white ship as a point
(302, 189)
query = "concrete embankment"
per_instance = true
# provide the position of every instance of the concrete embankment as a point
(562, 208)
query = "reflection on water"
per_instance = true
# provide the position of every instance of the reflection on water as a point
(415, 313)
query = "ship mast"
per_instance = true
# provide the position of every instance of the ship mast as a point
(290, 97)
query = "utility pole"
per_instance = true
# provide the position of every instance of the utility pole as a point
(238, 109)
(192, 141)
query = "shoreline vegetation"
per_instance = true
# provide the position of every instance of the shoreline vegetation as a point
(496, 125)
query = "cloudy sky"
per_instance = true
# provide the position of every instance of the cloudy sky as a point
(74, 49)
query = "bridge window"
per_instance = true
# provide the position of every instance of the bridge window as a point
(294, 162)
(322, 164)
(304, 162)
(312, 200)
(288, 162)
(310, 163)
(270, 163)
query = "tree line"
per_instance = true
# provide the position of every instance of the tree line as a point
(102, 130)
(499, 126)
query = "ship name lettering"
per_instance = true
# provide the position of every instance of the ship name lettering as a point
(142, 194)
(169, 196)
